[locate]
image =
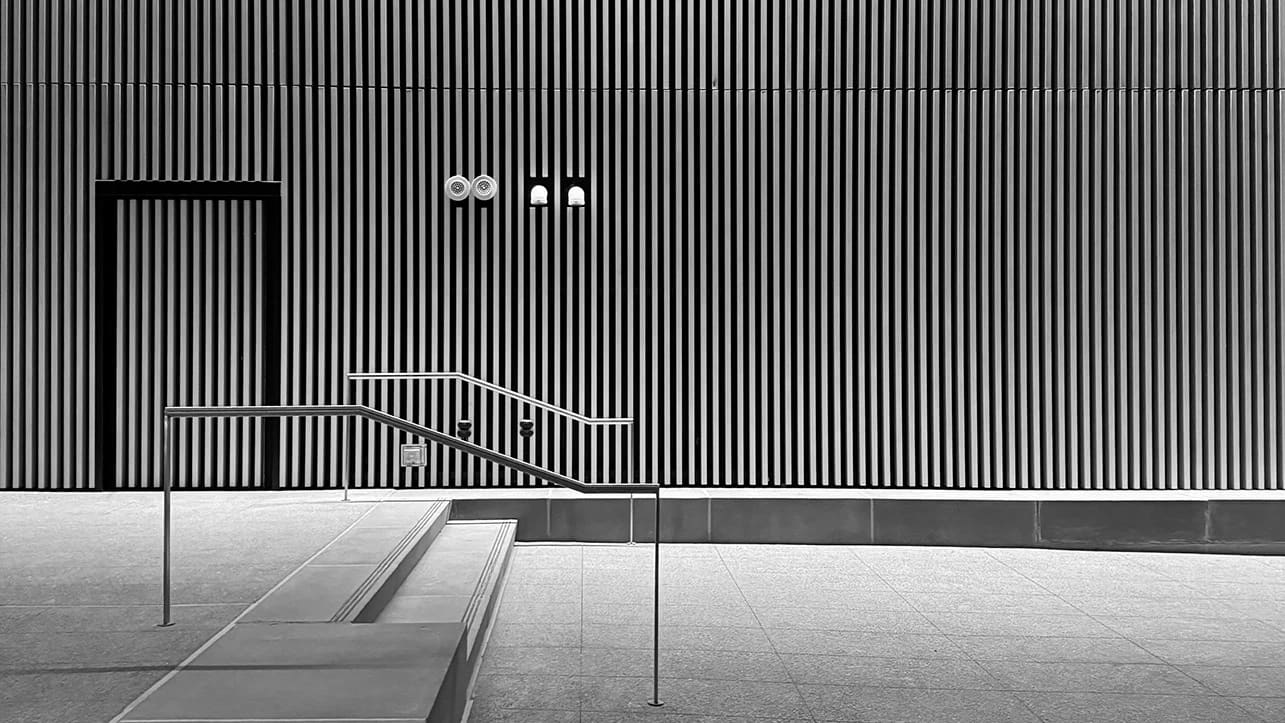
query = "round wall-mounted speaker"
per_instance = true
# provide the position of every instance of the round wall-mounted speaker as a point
(485, 188)
(458, 188)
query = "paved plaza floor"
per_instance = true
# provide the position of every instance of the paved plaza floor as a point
(885, 634)
(748, 632)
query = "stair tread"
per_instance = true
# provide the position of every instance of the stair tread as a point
(457, 579)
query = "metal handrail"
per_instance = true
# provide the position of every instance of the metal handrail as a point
(419, 430)
(634, 469)
(460, 376)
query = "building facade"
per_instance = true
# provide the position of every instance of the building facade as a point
(1002, 244)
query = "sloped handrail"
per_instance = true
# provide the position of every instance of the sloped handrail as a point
(470, 379)
(419, 430)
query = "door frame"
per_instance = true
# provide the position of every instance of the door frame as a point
(107, 194)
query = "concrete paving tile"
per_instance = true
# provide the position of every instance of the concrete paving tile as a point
(1246, 681)
(980, 603)
(101, 592)
(879, 621)
(650, 717)
(1271, 611)
(914, 705)
(687, 637)
(1209, 568)
(1216, 652)
(979, 585)
(885, 599)
(125, 618)
(77, 683)
(19, 618)
(621, 557)
(1067, 626)
(61, 711)
(1153, 678)
(801, 577)
(851, 670)
(1266, 709)
(160, 646)
(538, 692)
(486, 714)
(520, 660)
(694, 697)
(537, 613)
(213, 593)
(674, 594)
(1088, 573)
(641, 614)
(950, 568)
(673, 579)
(887, 645)
(1109, 605)
(1126, 708)
(548, 556)
(1109, 587)
(1242, 590)
(543, 593)
(535, 635)
(1053, 649)
(703, 664)
(1193, 628)
(526, 575)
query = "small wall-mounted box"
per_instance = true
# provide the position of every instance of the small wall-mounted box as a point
(414, 455)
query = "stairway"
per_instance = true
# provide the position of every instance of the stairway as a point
(388, 621)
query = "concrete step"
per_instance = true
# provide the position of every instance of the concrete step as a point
(338, 673)
(359, 570)
(386, 623)
(457, 581)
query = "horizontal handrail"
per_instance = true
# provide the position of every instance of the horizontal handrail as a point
(460, 376)
(358, 410)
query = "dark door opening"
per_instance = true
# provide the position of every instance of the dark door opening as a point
(187, 310)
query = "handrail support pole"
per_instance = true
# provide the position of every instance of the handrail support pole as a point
(346, 452)
(167, 445)
(655, 701)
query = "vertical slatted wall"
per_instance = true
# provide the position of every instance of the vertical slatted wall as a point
(942, 244)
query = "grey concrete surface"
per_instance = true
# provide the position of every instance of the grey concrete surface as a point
(80, 586)
(334, 672)
(750, 632)
(884, 634)
(1151, 520)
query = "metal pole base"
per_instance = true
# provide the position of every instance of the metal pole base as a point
(656, 703)
(165, 625)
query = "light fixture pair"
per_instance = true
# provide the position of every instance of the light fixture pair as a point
(483, 188)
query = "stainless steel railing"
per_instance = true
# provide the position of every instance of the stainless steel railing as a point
(631, 422)
(483, 384)
(418, 430)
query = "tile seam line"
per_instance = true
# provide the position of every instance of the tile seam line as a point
(780, 659)
(215, 638)
(969, 656)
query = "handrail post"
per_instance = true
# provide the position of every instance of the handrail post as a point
(655, 701)
(346, 452)
(166, 484)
